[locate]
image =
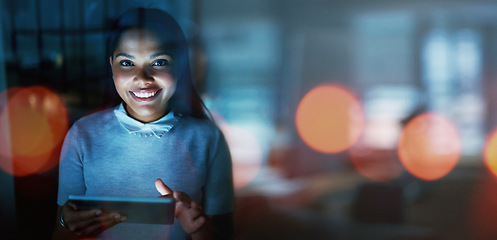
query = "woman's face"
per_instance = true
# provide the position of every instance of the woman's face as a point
(142, 73)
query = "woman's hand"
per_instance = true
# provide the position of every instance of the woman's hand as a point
(86, 223)
(188, 212)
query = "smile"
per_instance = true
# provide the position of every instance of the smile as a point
(145, 95)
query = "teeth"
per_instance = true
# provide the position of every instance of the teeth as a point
(144, 94)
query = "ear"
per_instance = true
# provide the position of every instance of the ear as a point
(110, 61)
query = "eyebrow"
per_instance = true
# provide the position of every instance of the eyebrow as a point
(124, 55)
(160, 54)
(127, 55)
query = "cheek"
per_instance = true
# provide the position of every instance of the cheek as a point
(121, 75)
(119, 87)
(172, 89)
(167, 79)
(119, 82)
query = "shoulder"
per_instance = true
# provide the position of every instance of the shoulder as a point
(204, 128)
(198, 124)
(96, 121)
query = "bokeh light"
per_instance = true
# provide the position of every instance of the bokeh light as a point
(375, 153)
(376, 164)
(429, 146)
(245, 152)
(33, 123)
(490, 152)
(329, 119)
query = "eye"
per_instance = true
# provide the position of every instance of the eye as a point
(126, 63)
(161, 62)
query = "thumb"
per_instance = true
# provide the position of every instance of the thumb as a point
(72, 205)
(162, 188)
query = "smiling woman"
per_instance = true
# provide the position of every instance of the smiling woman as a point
(142, 75)
(160, 134)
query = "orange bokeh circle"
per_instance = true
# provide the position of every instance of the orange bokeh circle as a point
(376, 164)
(490, 152)
(329, 119)
(33, 122)
(429, 146)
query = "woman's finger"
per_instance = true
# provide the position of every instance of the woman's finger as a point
(198, 223)
(162, 187)
(80, 225)
(182, 198)
(196, 210)
(77, 216)
(72, 205)
(102, 223)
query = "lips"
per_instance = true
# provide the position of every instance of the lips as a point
(145, 95)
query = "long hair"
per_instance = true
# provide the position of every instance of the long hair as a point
(185, 100)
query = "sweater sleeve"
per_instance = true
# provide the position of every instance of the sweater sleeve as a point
(71, 176)
(219, 193)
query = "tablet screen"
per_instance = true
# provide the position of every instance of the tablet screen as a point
(137, 210)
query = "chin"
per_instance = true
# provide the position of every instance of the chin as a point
(145, 112)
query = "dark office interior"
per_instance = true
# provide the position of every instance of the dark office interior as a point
(401, 92)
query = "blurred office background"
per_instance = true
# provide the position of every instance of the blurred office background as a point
(346, 119)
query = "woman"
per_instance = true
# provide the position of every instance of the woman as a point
(159, 138)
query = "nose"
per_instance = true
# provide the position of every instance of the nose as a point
(144, 75)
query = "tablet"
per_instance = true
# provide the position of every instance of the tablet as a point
(137, 210)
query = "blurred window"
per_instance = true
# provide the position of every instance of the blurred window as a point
(451, 71)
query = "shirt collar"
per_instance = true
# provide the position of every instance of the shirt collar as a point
(156, 128)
